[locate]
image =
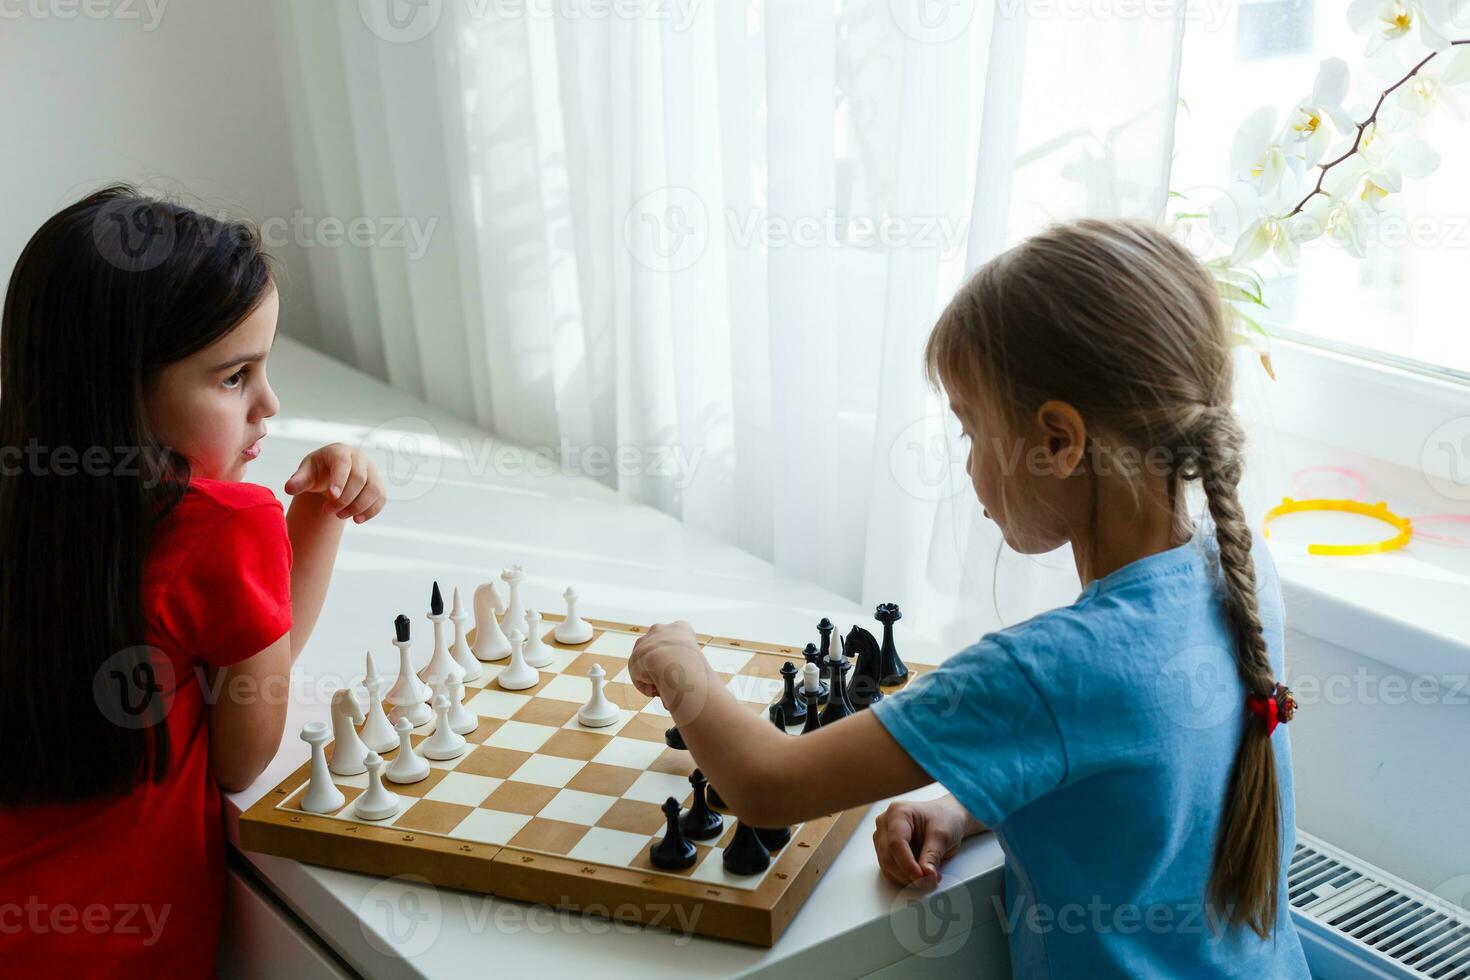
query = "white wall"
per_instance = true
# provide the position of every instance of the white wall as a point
(185, 97)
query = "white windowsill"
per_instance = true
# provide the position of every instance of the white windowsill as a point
(1408, 609)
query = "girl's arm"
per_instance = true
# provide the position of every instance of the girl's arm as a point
(247, 713)
(768, 778)
(332, 484)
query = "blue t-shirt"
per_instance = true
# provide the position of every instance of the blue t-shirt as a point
(1097, 742)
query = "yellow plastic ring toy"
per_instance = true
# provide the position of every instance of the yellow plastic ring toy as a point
(1379, 510)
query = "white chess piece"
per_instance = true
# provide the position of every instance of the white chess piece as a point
(348, 749)
(378, 802)
(490, 640)
(460, 651)
(436, 671)
(409, 696)
(598, 712)
(811, 678)
(519, 675)
(377, 732)
(461, 719)
(514, 612)
(537, 654)
(574, 630)
(322, 795)
(445, 743)
(407, 766)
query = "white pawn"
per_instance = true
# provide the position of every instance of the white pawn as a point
(538, 654)
(409, 696)
(407, 766)
(445, 743)
(377, 733)
(598, 712)
(379, 802)
(514, 613)
(574, 630)
(322, 795)
(490, 640)
(461, 719)
(348, 749)
(461, 650)
(519, 675)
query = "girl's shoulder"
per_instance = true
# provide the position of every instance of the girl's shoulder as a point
(208, 517)
(226, 495)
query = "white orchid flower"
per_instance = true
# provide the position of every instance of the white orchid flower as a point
(1434, 86)
(1385, 164)
(1346, 221)
(1387, 21)
(1267, 234)
(1259, 156)
(1309, 120)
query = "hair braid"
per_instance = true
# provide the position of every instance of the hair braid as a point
(1244, 883)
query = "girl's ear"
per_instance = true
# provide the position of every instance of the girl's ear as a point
(1064, 434)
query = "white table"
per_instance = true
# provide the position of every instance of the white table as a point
(477, 512)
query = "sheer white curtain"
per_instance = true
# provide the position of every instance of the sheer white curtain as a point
(724, 229)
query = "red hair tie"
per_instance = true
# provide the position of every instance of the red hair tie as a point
(1279, 707)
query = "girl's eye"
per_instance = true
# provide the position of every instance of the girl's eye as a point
(236, 379)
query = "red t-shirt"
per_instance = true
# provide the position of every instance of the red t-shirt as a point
(135, 885)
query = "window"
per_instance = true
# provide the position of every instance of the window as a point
(1403, 301)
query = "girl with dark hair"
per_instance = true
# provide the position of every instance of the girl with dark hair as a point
(151, 602)
(1127, 750)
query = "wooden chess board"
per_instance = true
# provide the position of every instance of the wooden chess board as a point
(543, 809)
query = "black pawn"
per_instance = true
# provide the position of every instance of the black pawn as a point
(400, 628)
(863, 689)
(436, 601)
(893, 670)
(838, 706)
(792, 707)
(813, 656)
(813, 716)
(824, 651)
(699, 822)
(746, 855)
(673, 852)
(774, 838)
(673, 739)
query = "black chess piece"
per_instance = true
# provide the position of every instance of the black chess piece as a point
(400, 628)
(774, 838)
(699, 822)
(893, 670)
(778, 718)
(813, 715)
(838, 706)
(824, 652)
(862, 689)
(746, 855)
(673, 739)
(792, 707)
(436, 601)
(673, 852)
(813, 656)
(714, 797)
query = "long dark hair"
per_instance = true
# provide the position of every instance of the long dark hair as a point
(1121, 321)
(107, 293)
